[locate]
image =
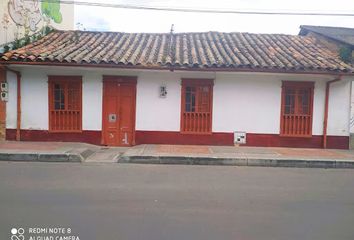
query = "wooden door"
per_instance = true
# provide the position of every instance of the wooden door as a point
(119, 111)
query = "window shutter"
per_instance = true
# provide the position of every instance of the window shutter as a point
(65, 103)
(196, 113)
(296, 109)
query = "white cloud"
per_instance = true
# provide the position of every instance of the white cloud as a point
(128, 20)
(90, 21)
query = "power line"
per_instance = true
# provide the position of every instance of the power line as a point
(195, 10)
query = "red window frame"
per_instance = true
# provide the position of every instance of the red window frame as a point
(65, 103)
(197, 118)
(296, 109)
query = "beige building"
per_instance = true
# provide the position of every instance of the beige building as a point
(19, 17)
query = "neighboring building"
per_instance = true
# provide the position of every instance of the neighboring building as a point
(335, 38)
(341, 41)
(19, 18)
(187, 88)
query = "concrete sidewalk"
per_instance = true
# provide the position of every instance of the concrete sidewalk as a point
(45, 151)
(58, 152)
(239, 156)
(176, 154)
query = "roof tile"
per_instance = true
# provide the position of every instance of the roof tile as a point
(182, 50)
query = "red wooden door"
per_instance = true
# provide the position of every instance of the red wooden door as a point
(118, 112)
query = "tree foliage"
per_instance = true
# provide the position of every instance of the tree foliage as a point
(51, 9)
(345, 54)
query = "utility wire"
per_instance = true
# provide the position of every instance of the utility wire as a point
(195, 10)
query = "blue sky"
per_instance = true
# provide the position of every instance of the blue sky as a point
(127, 20)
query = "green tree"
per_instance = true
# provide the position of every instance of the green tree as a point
(51, 9)
(345, 54)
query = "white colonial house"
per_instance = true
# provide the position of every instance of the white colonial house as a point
(212, 88)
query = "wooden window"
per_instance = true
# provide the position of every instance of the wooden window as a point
(296, 109)
(196, 113)
(65, 103)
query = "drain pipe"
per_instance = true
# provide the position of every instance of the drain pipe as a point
(325, 121)
(18, 119)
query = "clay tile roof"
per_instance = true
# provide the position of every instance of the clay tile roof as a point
(206, 50)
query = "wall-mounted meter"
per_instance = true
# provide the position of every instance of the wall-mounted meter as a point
(4, 96)
(240, 137)
(4, 87)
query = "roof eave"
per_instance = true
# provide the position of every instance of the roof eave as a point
(171, 68)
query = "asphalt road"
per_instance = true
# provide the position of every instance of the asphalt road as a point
(153, 202)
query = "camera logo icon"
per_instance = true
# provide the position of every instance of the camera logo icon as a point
(17, 234)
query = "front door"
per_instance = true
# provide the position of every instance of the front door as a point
(119, 110)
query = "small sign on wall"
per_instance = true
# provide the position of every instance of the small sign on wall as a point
(162, 91)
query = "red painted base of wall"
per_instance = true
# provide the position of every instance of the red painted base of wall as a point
(164, 137)
(93, 137)
(274, 140)
(226, 139)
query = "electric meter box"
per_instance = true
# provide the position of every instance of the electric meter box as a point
(240, 137)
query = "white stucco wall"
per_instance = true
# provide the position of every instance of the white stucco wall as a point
(92, 101)
(153, 112)
(319, 104)
(161, 114)
(352, 109)
(241, 102)
(34, 91)
(11, 105)
(34, 99)
(247, 102)
(339, 108)
(252, 103)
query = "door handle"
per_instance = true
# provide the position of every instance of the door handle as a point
(125, 139)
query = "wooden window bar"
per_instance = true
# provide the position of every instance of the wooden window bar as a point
(65, 112)
(196, 113)
(296, 114)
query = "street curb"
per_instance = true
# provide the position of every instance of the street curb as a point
(41, 157)
(297, 163)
